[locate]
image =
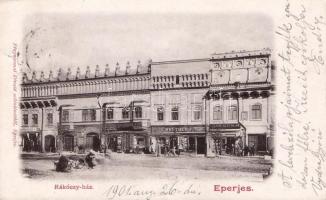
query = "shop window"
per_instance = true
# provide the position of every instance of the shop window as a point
(141, 141)
(125, 113)
(217, 113)
(89, 115)
(109, 113)
(175, 113)
(50, 118)
(232, 113)
(25, 119)
(35, 119)
(138, 112)
(197, 113)
(65, 116)
(256, 111)
(160, 114)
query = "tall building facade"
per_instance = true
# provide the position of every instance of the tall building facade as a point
(134, 109)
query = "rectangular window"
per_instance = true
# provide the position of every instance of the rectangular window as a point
(217, 113)
(89, 115)
(50, 118)
(25, 119)
(84, 115)
(244, 115)
(138, 111)
(110, 113)
(256, 111)
(160, 114)
(35, 119)
(175, 113)
(125, 113)
(197, 113)
(233, 113)
(65, 115)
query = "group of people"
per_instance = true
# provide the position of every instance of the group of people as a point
(236, 148)
(64, 164)
(164, 149)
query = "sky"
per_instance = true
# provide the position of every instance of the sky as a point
(76, 40)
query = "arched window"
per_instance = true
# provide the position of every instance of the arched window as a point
(217, 113)
(160, 114)
(256, 111)
(175, 113)
(138, 112)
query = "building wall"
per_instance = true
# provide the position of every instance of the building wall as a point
(185, 100)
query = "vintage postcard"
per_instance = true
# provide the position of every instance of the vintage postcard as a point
(158, 100)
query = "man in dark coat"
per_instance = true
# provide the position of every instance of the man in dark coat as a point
(90, 159)
(63, 164)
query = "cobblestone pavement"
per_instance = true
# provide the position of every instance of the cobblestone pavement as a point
(131, 166)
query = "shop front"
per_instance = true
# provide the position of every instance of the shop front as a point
(226, 137)
(31, 141)
(128, 137)
(184, 138)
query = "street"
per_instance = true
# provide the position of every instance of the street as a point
(142, 166)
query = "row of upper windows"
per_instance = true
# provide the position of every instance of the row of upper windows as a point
(256, 113)
(49, 119)
(175, 113)
(90, 114)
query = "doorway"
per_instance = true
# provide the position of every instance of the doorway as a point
(93, 141)
(68, 143)
(49, 143)
(201, 145)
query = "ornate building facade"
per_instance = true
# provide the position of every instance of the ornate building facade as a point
(134, 109)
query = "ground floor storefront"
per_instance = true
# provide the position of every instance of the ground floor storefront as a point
(32, 141)
(127, 141)
(178, 139)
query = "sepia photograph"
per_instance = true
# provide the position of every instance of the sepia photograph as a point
(143, 96)
(163, 100)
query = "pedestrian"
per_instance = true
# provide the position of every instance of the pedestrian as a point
(252, 150)
(63, 164)
(173, 151)
(246, 150)
(76, 148)
(179, 149)
(158, 152)
(166, 149)
(90, 159)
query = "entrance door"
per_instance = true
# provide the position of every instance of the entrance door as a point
(261, 146)
(174, 142)
(49, 143)
(201, 147)
(192, 146)
(229, 145)
(68, 143)
(93, 141)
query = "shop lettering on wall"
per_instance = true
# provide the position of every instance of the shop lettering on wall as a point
(124, 126)
(183, 129)
(224, 126)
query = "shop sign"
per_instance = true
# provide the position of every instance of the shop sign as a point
(216, 127)
(178, 129)
(126, 126)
